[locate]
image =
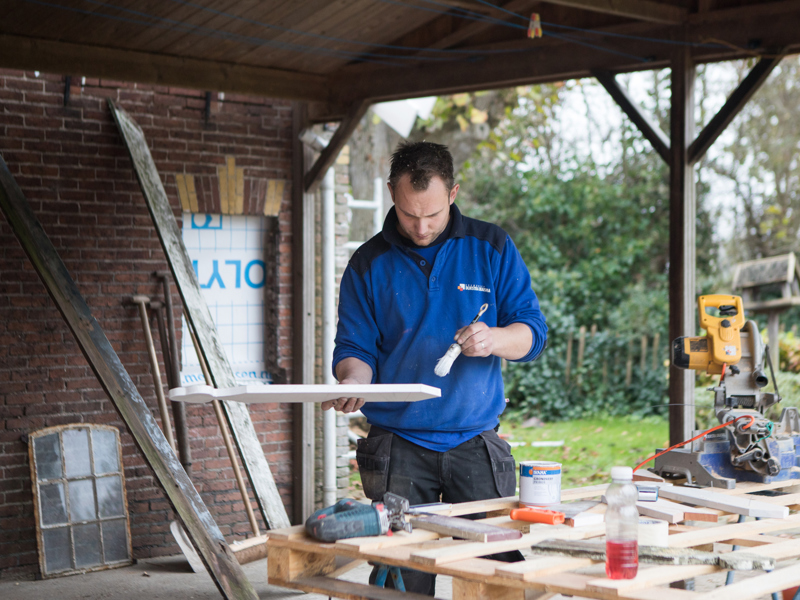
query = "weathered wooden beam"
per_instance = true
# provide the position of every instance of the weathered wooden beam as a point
(682, 249)
(649, 129)
(237, 414)
(17, 52)
(110, 372)
(733, 105)
(643, 10)
(550, 59)
(328, 156)
(303, 319)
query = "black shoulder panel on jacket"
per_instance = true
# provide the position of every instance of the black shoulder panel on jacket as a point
(367, 252)
(486, 232)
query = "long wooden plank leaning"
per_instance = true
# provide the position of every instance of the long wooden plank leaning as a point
(237, 414)
(116, 382)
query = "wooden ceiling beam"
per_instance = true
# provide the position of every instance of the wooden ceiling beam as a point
(556, 60)
(649, 129)
(733, 105)
(642, 10)
(327, 157)
(476, 27)
(64, 58)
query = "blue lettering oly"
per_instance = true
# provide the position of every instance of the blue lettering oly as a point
(248, 279)
(238, 265)
(214, 276)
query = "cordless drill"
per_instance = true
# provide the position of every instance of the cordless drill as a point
(349, 518)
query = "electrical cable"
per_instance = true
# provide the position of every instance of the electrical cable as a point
(697, 437)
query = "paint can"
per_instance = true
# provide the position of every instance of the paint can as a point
(539, 483)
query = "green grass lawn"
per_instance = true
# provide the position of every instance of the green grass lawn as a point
(591, 446)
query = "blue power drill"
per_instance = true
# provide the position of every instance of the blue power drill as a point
(349, 518)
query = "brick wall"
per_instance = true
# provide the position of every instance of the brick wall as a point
(74, 170)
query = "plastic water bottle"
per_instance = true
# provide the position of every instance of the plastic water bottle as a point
(622, 522)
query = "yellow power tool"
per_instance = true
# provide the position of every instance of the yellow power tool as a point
(722, 317)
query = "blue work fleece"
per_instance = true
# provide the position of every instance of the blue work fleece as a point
(399, 314)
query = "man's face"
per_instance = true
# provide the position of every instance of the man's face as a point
(422, 215)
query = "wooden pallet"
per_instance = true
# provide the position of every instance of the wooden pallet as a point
(300, 562)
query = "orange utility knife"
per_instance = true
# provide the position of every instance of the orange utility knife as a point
(537, 515)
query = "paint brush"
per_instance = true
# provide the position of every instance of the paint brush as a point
(444, 363)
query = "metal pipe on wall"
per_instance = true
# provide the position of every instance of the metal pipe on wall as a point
(328, 190)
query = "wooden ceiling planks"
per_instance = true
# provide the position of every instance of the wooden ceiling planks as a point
(244, 20)
(366, 22)
(553, 60)
(180, 40)
(314, 54)
(91, 39)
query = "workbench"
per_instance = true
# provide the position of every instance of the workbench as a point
(297, 561)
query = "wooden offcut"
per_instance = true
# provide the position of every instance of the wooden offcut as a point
(464, 529)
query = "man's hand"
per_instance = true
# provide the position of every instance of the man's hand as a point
(510, 342)
(350, 371)
(346, 405)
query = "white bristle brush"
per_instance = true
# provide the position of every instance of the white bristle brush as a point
(443, 365)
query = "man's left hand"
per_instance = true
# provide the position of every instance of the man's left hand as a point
(476, 339)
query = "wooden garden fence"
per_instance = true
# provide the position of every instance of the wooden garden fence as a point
(650, 354)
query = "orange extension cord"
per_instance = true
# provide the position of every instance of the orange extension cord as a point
(705, 433)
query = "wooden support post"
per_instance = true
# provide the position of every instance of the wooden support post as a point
(643, 357)
(682, 250)
(629, 364)
(303, 315)
(581, 345)
(110, 372)
(285, 564)
(656, 341)
(569, 360)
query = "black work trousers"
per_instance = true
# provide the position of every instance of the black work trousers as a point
(479, 469)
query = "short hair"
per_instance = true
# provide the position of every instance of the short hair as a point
(422, 160)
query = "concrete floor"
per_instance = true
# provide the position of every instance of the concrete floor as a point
(166, 578)
(170, 578)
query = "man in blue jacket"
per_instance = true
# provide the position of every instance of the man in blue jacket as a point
(406, 295)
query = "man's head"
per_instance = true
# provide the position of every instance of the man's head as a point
(422, 186)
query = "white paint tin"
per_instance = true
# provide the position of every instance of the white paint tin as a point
(539, 483)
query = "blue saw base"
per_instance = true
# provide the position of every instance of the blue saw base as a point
(715, 457)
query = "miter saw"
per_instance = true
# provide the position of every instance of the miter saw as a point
(749, 447)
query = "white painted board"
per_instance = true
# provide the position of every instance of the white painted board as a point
(264, 394)
(741, 505)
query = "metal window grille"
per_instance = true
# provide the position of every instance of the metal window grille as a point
(79, 498)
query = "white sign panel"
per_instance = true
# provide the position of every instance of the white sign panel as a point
(228, 257)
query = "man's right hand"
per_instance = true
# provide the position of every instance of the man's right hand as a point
(350, 371)
(346, 405)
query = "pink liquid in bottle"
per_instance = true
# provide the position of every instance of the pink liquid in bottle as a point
(622, 559)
